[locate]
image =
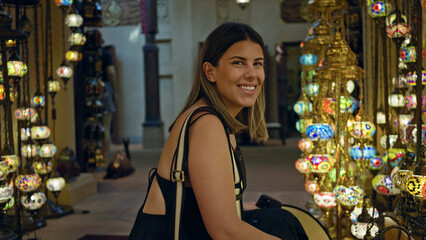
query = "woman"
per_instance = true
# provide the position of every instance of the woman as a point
(227, 97)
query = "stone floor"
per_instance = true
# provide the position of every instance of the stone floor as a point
(270, 170)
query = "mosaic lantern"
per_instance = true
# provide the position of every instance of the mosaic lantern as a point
(308, 60)
(375, 163)
(303, 107)
(396, 25)
(47, 150)
(73, 56)
(28, 182)
(396, 100)
(325, 200)
(305, 145)
(392, 140)
(372, 212)
(320, 163)
(408, 54)
(364, 225)
(383, 184)
(38, 100)
(40, 132)
(63, 3)
(15, 67)
(348, 195)
(303, 166)
(4, 170)
(347, 105)
(11, 161)
(42, 166)
(73, 19)
(65, 72)
(362, 129)
(311, 186)
(411, 134)
(53, 86)
(393, 156)
(368, 152)
(6, 192)
(400, 81)
(378, 9)
(410, 101)
(34, 201)
(412, 78)
(301, 125)
(415, 185)
(312, 89)
(55, 184)
(381, 118)
(318, 131)
(24, 113)
(77, 38)
(403, 120)
(29, 150)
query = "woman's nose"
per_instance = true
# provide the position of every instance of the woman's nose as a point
(250, 72)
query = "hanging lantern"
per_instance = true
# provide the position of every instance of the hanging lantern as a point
(396, 100)
(15, 67)
(311, 186)
(325, 200)
(411, 134)
(4, 170)
(6, 192)
(378, 9)
(412, 78)
(301, 124)
(47, 150)
(65, 72)
(375, 163)
(73, 55)
(11, 160)
(77, 38)
(372, 212)
(303, 107)
(25, 24)
(383, 184)
(73, 19)
(410, 101)
(305, 145)
(367, 153)
(380, 118)
(362, 129)
(34, 201)
(392, 140)
(348, 195)
(63, 3)
(415, 185)
(308, 60)
(11, 43)
(320, 163)
(40, 132)
(396, 25)
(24, 113)
(408, 54)
(38, 100)
(53, 86)
(400, 81)
(42, 166)
(25, 134)
(55, 184)
(303, 165)
(350, 86)
(28, 182)
(364, 226)
(318, 131)
(403, 120)
(312, 89)
(29, 150)
(393, 156)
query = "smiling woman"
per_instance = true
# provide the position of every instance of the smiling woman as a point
(196, 190)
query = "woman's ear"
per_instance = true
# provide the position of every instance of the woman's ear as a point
(208, 69)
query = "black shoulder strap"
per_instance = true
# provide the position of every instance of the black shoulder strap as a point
(180, 168)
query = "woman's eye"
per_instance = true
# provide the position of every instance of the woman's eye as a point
(237, 62)
(258, 63)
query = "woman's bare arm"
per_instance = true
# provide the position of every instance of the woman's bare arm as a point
(211, 176)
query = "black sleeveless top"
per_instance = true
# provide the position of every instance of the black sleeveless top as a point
(192, 223)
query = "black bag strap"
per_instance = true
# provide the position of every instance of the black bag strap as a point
(180, 167)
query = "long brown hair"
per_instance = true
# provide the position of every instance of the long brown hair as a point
(251, 118)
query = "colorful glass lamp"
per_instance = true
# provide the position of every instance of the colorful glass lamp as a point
(316, 131)
(34, 201)
(65, 72)
(412, 78)
(73, 19)
(28, 182)
(63, 3)
(38, 100)
(6, 192)
(396, 25)
(15, 67)
(378, 9)
(77, 38)
(364, 226)
(53, 86)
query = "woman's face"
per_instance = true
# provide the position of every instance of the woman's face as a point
(239, 75)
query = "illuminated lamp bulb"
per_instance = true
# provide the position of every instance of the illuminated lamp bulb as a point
(47, 150)
(396, 100)
(24, 113)
(312, 89)
(25, 134)
(408, 54)
(375, 163)
(303, 107)
(303, 166)
(42, 166)
(362, 129)
(320, 163)
(77, 38)
(243, 3)
(308, 60)
(40, 132)
(305, 145)
(350, 86)
(412, 78)
(73, 56)
(383, 184)
(394, 155)
(29, 150)
(392, 140)
(368, 152)
(28, 182)
(364, 226)
(411, 134)
(10, 160)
